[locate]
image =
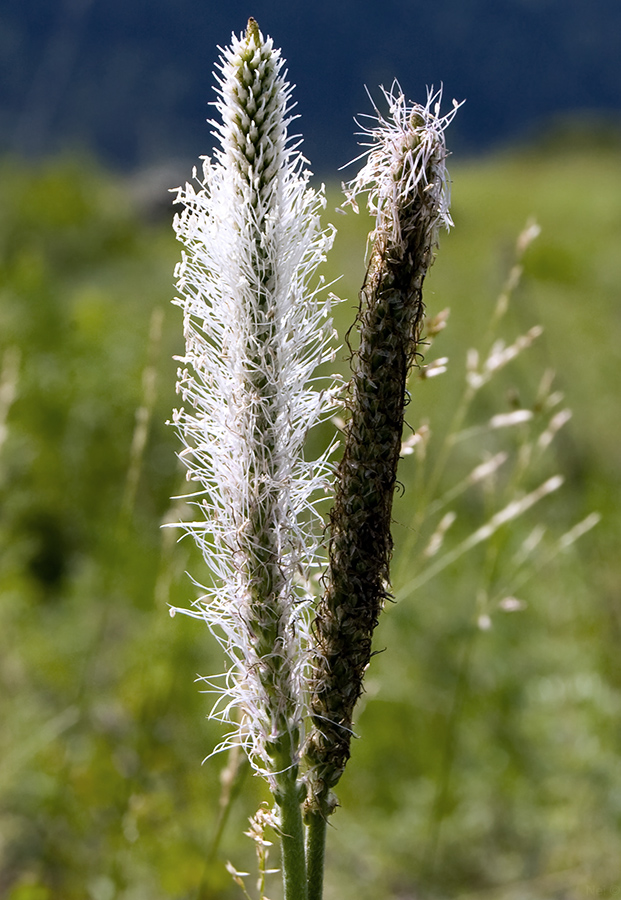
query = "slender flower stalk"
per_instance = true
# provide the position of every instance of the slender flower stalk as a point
(407, 185)
(255, 333)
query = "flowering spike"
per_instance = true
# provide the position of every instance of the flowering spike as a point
(255, 332)
(407, 186)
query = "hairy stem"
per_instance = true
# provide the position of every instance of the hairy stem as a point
(315, 853)
(288, 797)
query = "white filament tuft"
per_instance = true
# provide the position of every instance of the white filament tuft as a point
(406, 159)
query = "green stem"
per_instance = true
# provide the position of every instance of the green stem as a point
(288, 797)
(315, 854)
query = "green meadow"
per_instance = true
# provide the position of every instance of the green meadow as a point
(488, 758)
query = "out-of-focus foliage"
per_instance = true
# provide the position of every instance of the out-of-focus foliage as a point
(104, 732)
(488, 760)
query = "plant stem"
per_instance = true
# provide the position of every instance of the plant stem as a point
(315, 853)
(232, 780)
(438, 811)
(291, 835)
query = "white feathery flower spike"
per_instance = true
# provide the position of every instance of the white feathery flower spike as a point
(255, 331)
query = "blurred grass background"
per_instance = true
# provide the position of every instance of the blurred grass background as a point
(488, 763)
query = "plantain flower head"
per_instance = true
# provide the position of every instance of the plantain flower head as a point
(257, 324)
(405, 179)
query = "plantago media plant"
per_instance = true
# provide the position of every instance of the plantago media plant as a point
(257, 325)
